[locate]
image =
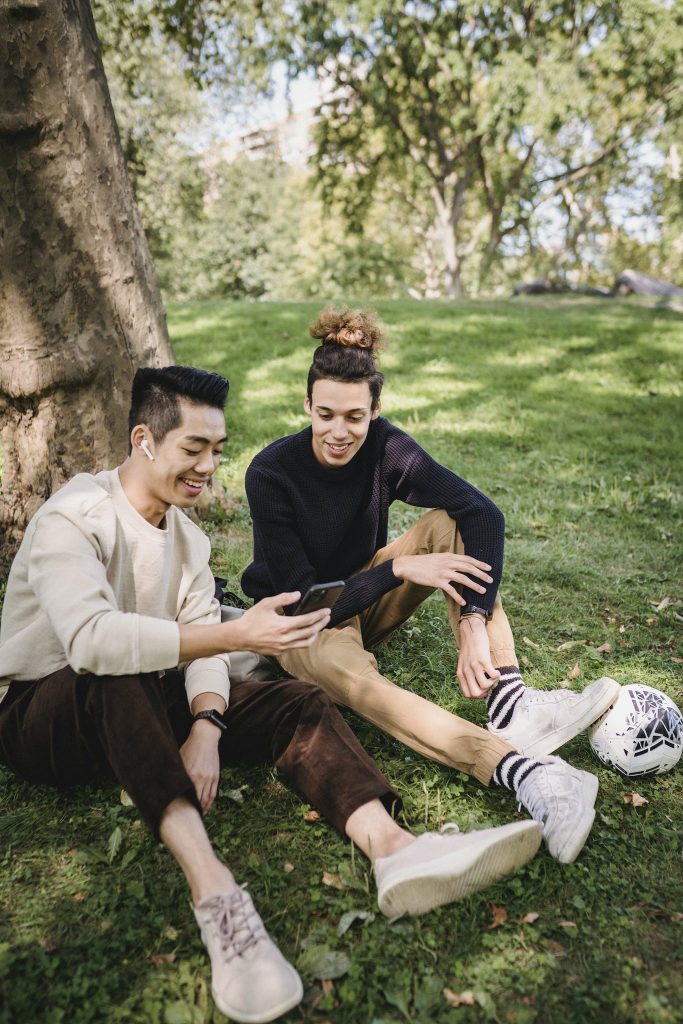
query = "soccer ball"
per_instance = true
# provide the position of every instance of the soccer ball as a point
(641, 734)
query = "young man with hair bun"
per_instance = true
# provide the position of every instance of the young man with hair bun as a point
(116, 662)
(320, 503)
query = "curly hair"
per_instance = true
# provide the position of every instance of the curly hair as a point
(353, 327)
(350, 338)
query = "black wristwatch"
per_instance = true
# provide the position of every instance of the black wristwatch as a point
(213, 716)
(474, 609)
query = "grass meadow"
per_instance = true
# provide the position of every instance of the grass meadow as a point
(566, 412)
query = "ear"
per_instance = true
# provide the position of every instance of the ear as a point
(307, 405)
(138, 435)
(376, 411)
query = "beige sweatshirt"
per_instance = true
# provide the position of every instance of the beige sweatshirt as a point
(97, 587)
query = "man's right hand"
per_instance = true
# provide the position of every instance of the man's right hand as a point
(265, 630)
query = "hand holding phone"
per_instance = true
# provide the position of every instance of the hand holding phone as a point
(320, 595)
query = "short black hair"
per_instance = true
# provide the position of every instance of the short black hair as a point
(156, 392)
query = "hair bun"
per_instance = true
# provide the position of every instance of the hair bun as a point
(351, 328)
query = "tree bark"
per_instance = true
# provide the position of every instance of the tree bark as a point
(80, 309)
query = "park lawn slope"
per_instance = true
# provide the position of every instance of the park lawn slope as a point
(567, 413)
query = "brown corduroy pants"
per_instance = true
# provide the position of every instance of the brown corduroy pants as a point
(339, 662)
(68, 729)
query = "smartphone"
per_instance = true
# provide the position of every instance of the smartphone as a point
(320, 595)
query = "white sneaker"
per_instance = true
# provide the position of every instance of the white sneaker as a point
(250, 979)
(441, 867)
(560, 798)
(543, 720)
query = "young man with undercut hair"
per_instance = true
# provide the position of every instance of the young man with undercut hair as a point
(117, 662)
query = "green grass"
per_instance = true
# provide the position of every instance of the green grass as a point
(568, 414)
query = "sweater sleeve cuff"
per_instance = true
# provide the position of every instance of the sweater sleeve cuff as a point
(207, 675)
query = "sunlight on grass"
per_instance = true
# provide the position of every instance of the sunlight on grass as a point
(566, 412)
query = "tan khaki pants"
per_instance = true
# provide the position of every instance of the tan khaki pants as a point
(339, 663)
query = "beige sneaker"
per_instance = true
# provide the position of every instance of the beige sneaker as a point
(440, 867)
(251, 981)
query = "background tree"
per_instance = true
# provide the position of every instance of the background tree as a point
(489, 109)
(79, 305)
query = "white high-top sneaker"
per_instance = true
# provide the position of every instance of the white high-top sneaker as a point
(545, 720)
(560, 798)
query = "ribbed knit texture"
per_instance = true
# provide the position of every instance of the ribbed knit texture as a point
(513, 769)
(502, 699)
(314, 525)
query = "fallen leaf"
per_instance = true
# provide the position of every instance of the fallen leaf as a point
(334, 881)
(537, 526)
(622, 628)
(530, 918)
(555, 948)
(604, 648)
(323, 963)
(288, 867)
(347, 919)
(162, 958)
(569, 644)
(575, 672)
(498, 914)
(635, 799)
(79, 897)
(125, 799)
(235, 795)
(677, 661)
(171, 934)
(531, 643)
(465, 998)
(311, 816)
(649, 622)
(661, 605)
(568, 924)
(525, 661)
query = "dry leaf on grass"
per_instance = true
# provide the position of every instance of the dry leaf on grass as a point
(499, 915)
(575, 672)
(311, 816)
(555, 948)
(288, 867)
(659, 606)
(334, 881)
(530, 918)
(328, 986)
(162, 958)
(569, 644)
(465, 998)
(635, 799)
(531, 643)
(604, 648)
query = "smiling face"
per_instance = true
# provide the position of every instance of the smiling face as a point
(185, 460)
(341, 413)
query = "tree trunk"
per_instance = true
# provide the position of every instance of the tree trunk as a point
(80, 309)
(445, 228)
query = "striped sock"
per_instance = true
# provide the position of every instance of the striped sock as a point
(502, 699)
(513, 769)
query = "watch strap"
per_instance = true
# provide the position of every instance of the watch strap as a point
(474, 609)
(213, 716)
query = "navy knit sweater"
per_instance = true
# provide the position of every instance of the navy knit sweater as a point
(314, 525)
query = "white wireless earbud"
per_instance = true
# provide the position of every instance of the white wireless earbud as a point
(144, 444)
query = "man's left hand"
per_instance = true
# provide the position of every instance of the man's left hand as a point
(199, 754)
(475, 668)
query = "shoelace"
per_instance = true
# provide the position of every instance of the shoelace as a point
(239, 926)
(538, 804)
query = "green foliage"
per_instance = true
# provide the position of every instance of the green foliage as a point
(564, 412)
